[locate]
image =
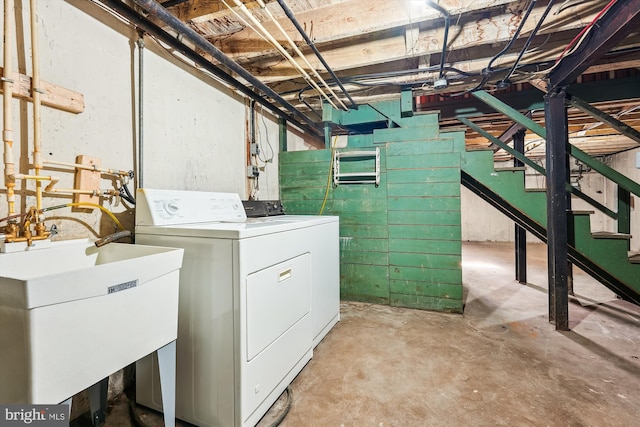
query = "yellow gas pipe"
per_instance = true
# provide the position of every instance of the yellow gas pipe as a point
(35, 94)
(7, 88)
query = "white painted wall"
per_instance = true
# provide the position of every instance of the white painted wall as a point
(194, 128)
(625, 163)
(195, 132)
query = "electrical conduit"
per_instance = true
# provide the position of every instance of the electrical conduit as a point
(315, 50)
(304, 58)
(282, 50)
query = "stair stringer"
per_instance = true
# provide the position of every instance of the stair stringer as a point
(505, 191)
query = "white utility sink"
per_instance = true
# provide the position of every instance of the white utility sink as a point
(72, 314)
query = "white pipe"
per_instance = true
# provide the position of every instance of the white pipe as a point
(284, 53)
(7, 88)
(300, 54)
(87, 167)
(35, 94)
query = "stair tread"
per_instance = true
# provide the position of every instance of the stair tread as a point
(634, 259)
(610, 235)
(478, 149)
(512, 169)
(582, 212)
(536, 190)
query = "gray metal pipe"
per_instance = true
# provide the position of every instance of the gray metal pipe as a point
(315, 50)
(140, 174)
(155, 9)
(150, 28)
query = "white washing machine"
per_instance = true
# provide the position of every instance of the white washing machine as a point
(255, 296)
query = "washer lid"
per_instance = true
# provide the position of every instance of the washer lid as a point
(172, 207)
(253, 227)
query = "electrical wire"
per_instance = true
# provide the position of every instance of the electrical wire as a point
(585, 30)
(330, 174)
(513, 39)
(267, 158)
(505, 80)
(489, 71)
(447, 22)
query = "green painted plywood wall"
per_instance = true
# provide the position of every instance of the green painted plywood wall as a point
(400, 241)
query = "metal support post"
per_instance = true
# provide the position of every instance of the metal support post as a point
(557, 236)
(167, 370)
(624, 212)
(520, 233)
(282, 126)
(98, 401)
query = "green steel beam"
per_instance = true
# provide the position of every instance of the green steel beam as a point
(610, 173)
(532, 99)
(524, 159)
(593, 202)
(537, 167)
(616, 124)
(513, 114)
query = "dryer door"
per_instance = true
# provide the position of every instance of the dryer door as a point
(277, 298)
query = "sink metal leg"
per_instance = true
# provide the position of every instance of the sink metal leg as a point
(98, 402)
(68, 403)
(167, 366)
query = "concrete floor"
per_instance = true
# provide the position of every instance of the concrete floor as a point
(500, 364)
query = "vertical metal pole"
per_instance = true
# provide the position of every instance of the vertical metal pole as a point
(98, 401)
(624, 212)
(140, 174)
(520, 233)
(557, 236)
(282, 125)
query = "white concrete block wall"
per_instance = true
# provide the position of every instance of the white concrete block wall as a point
(194, 128)
(626, 163)
(195, 133)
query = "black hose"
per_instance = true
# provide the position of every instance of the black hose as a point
(126, 194)
(447, 22)
(286, 409)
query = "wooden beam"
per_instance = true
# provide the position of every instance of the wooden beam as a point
(376, 48)
(369, 30)
(54, 96)
(352, 18)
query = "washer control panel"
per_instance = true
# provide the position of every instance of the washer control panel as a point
(172, 207)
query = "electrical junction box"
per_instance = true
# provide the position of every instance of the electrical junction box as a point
(440, 84)
(253, 171)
